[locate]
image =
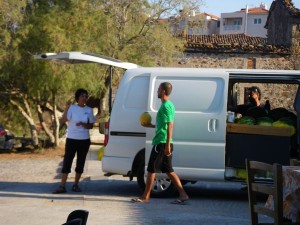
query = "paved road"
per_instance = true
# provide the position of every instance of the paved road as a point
(26, 199)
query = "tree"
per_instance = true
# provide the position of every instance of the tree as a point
(55, 80)
(135, 31)
(12, 15)
(127, 30)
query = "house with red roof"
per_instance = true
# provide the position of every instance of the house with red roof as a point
(249, 21)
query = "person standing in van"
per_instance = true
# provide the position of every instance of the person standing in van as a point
(162, 147)
(255, 96)
(81, 119)
(255, 99)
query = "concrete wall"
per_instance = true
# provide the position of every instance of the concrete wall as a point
(256, 30)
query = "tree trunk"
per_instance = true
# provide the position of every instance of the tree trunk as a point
(28, 116)
(103, 105)
(43, 124)
(55, 121)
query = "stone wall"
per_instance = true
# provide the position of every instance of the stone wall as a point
(283, 21)
(233, 61)
(279, 26)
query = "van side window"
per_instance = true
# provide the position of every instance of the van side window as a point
(195, 94)
(138, 85)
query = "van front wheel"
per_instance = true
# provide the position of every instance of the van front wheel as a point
(162, 187)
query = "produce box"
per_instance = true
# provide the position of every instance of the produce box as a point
(261, 143)
(255, 129)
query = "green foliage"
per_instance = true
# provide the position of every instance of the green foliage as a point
(127, 30)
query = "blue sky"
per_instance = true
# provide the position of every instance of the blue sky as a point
(216, 7)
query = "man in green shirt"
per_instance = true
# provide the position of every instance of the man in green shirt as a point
(161, 155)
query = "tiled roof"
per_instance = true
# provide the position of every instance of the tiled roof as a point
(211, 15)
(256, 11)
(230, 43)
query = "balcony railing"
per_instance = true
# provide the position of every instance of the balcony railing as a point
(232, 27)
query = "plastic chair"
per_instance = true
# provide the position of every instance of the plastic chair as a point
(77, 221)
(79, 214)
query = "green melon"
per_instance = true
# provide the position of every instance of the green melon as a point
(264, 121)
(246, 120)
(145, 118)
(286, 122)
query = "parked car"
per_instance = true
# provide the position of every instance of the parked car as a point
(7, 139)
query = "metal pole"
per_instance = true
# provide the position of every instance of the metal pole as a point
(246, 21)
(110, 88)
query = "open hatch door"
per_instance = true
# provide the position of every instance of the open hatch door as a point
(84, 57)
(88, 57)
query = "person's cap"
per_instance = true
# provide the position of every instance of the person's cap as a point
(255, 89)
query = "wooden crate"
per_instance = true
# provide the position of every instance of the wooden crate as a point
(256, 129)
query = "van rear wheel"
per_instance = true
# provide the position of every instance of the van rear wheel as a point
(162, 187)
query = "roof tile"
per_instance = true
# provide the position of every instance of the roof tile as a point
(230, 43)
(256, 11)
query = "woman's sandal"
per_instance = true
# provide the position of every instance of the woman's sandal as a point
(60, 190)
(76, 188)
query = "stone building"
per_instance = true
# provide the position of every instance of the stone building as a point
(283, 23)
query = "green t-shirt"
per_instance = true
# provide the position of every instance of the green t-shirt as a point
(164, 115)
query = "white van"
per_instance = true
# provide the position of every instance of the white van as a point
(206, 146)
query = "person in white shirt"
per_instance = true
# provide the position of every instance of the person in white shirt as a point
(80, 119)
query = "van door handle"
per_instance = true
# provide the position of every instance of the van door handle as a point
(212, 124)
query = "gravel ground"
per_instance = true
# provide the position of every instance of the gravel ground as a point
(39, 166)
(29, 169)
(26, 185)
(27, 180)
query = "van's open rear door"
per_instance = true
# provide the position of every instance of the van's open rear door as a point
(85, 57)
